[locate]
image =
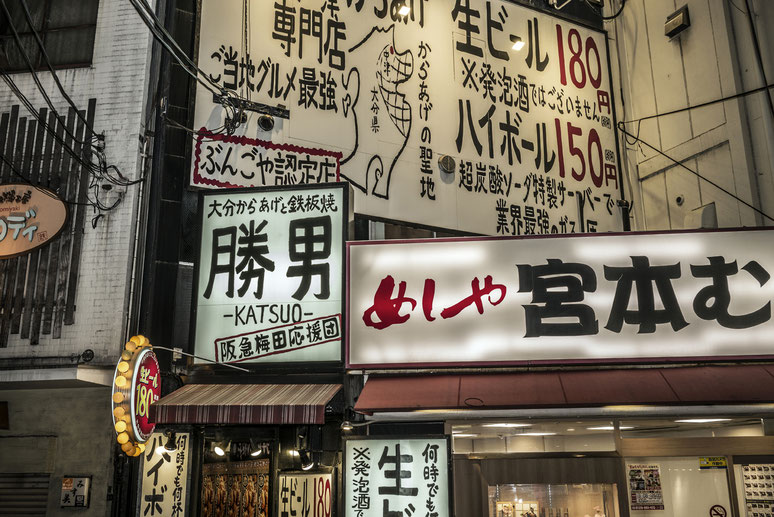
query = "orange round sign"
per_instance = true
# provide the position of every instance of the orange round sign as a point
(30, 216)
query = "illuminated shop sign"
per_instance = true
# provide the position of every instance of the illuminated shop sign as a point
(394, 476)
(270, 274)
(586, 298)
(165, 475)
(483, 115)
(29, 218)
(307, 494)
(136, 385)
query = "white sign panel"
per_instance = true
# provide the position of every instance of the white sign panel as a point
(584, 298)
(306, 494)
(270, 274)
(165, 477)
(392, 477)
(519, 102)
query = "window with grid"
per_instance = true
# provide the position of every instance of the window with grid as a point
(65, 27)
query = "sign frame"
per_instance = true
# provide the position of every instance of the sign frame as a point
(553, 362)
(347, 220)
(449, 461)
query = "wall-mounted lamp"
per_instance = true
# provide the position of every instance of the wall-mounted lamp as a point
(170, 444)
(266, 122)
(677, 22)
(306, 460)
(220, 448)
(518, 43)
(404, 10)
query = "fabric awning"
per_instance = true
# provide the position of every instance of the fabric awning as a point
(587, 388)
(245, 404)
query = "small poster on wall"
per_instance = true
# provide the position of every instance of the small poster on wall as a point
(645, 487)
(238, 489)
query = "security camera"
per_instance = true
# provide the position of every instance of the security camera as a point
(266, 122)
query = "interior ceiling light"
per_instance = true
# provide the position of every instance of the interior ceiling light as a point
(536, 434)
(464, 435)
(702, 420)
(609, 428)
(404, 10)
(507, 425)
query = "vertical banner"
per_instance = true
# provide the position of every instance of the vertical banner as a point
(165, 477)
(306, 494)
(645, 487)
(394, 477)
(237, 489)
(270, 274)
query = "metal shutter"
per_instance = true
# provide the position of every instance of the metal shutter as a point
(23, 494)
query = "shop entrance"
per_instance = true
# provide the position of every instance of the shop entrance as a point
(538, 486)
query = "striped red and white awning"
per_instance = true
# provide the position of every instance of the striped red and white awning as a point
(245, 404)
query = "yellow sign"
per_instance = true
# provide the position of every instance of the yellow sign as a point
(713, 462)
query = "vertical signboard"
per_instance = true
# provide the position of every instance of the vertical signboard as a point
(479, 115)
(306, 494)
(270, 274)
(235, 489)
(388, 477)
(165, 477)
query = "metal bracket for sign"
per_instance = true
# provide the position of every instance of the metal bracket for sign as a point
(258, 107)
(178, 351)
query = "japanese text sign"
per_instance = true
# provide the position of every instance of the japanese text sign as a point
(582, 298)
(270, 274)
(29, 218)
(308, 495)
(392, 477)
(165, 477)
(75, 492)
(519, 99)
(645, 491)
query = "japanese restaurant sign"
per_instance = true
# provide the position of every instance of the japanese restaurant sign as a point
(165, 476)
(581, 298)
(29, 218)
(645, 492)
(387, 477)
(270, 274)
(306, 494)
(517, 102)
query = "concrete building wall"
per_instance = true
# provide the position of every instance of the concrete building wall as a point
(117, 79)
(42, 439)
(729, 144)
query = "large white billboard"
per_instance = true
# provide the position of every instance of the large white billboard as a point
(520, 103)
(638, 296)
(270, 274)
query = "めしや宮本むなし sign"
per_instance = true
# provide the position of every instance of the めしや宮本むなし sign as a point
(136, 385)
(516, 101)
(270, 274)
(30, 216)
(581, 298)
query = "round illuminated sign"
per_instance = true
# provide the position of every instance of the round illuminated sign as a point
(136, 385)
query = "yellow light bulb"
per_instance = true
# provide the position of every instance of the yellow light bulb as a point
(130, 346)
(119, 412)
(118, 397)
(123, 366)
(126, 355)
(120, 381)
(120, 426)
(122, 438)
